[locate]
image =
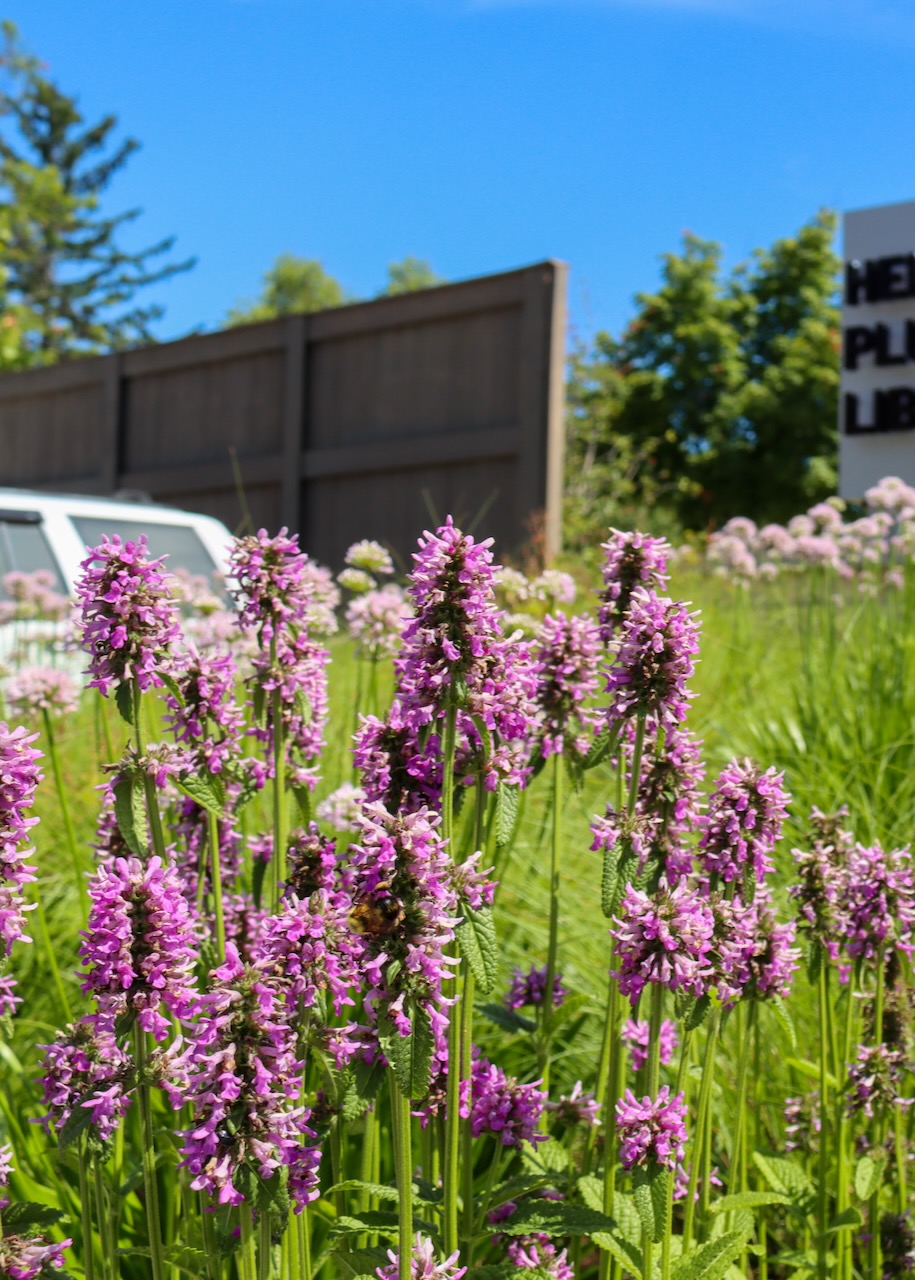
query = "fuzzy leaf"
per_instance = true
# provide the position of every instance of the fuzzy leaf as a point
(130, 813)
(377, 1189)
(303, 800)
(508, 804)
(624, 1251)
(123, 698)
(78, 1121)
(556, 1218)
(383, 1222)
(27, 1214)
(601, 748)
(780, 1009)
(748, 1200)
(363, 1083)
(787, 1177)
(546, 1157)
(476, 936)
(361, 1262)
(850, 1217)
(610, 879)
(410, 1056)
(508, 1019)
(173, 687)
(649, 1191)
(711, 1260)
(869, 1174)
(206, 789)
(698, 1013)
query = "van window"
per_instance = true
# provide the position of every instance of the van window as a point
(179, 542)
(25, 549)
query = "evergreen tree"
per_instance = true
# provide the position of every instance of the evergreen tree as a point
(71, 283)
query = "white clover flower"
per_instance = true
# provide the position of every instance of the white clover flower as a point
(370, 556)
(356, 580)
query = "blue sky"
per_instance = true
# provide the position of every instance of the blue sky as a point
(482, 134)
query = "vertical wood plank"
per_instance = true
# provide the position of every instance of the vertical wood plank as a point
(293, 422)
(110, 435)
(555, 357)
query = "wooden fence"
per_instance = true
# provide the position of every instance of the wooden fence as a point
(371, 420)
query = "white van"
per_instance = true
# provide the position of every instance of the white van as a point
(51, 533)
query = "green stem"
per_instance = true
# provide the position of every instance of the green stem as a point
(278, 862)
(466, 1133)
(451, 1170)
(246, 1248)
(844, 1244)
(654, 1080)
(66, 815)
(702, 1123)
(635, 774)
(738, 1172)
(824, 1166)
(149, 784)
(85, 1209)
(611, 1062)
(264, 1247)
(216, 884)
(553, 942)
(492, 1181)
(51, 958)
(403, 1158)
(102, 1215)
(148, 1153)
(304, 1237)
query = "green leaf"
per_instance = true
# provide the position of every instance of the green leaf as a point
(377, 1189)
(610, 879)
(359, 1262)
(476, 936)
(810, 1070)
(623, 1250)
(600, 749)
(556, 1218)
(383, 1222)
(27, 1214)
(172, 686)
(123, 697)
(698, 1013)
(508, 1019)
(787, 1177)
(78, 1121)
(848, 1218)
(130, 814)
(206, 789)
(546, 1157)
(711, 1260)
(410, 1056)
(780, 1009)
(748, 1200)
(303, 800)
(649, 1191)
(508, 804)
(869, 1174)
(362, 1085)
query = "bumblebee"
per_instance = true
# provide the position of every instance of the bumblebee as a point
(376, 915)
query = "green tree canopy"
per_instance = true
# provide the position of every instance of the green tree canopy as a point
(719, 398)
(69, 284)
(409, 276)
(292, 284)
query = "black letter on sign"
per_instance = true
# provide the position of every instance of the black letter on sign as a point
(901, 409)
(896, 276)
(858, 339)
(852, 426)
(884, 354)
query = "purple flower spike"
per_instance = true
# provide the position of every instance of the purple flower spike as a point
(538, 1253)
(666, 939)
(657, 643)
(140, 947)
(744, 821)
(822, 872)
(422, 1264)
(19, 778)
(879, 901)
(876, 1080)
(651, 1131)
(33, 690)
(530, 988)
(637, 1036)
(127, 616)
(632, 560)
(85, 1067)
(207, 718)
(567, 679)
(500, 1105)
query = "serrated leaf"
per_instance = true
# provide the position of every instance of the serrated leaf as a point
(556, 1218)
(847, 1219)
(123, 699)
(363, 1083)
(272, 1194)
(508, 803)
(130, 814)
(787, 1177)
(624, 1251)
(77, 1122)
(591, 1190)
(649, 1191)
(507, 1019)
(546, 1157)
(303, 800)
(382, 1221)
(737, 1220)
(711, 1260)
(27, 1213)
(600, 749)
(206, 789)
(748, 1200)
(869, 1174)
(610, 879)
(698, 1013)
(377, 1189)
(192, 1262)
(358, 1262)
(780, 1009)
(476, 937)
(410, 1056)
(172, 685)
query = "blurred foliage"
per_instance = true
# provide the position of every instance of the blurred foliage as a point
(719, 399)
(291, 285)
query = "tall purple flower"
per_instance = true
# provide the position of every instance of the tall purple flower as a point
(502, 1106)
(395, 770)
(743, 822)
(454, 654)
(668, 795)
(244, 1082)
(423, 1265)
(567, 679)
(128, 618)
(875, 1080)
(530, 988)
(879, 901)
(822, 872)
(754, 954)
(404, 910)
(538, 1253)
(637, 1035)
(632, 560)
(206, 717)
(25, 1256)
(663, 939)
(85, 1067)
(140, 947)
(270, 573)
(653, 661)
(651, 1131)
(19, 778)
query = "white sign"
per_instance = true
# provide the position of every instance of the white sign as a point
(877, 390)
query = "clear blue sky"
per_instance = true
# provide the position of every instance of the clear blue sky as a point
(482, 134)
